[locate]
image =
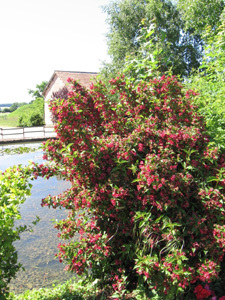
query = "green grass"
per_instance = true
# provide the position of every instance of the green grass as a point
(6, 120)
(12, 119)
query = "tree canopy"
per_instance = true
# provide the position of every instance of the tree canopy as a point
(209, 82)
(200, 13)
(181, 49)
(36, 118)
(38, 92)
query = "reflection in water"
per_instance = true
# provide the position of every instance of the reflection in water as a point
(36, 250)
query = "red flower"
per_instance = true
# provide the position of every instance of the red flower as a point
(201, 293)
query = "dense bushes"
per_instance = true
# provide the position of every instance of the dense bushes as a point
(147, 195)
(14, 188)
(34, 120)
(33, 115)
(210, 84)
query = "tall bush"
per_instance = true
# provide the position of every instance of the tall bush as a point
(209, 82)
(36, 119)
(14, 188)
(147, 193)
(33, 115)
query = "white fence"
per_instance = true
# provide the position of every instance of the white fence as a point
(23, 133)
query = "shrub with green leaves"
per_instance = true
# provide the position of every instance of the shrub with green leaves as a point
(209, 82)
(14, 188)
(31, 114)
(73, 289)
(147, 193)
(36, 120)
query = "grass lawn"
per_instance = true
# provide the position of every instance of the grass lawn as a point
(12, 119)
(6, 120)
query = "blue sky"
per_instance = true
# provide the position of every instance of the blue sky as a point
(40, 36)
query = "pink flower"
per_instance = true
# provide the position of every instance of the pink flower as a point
(113, 201)
(140, 147)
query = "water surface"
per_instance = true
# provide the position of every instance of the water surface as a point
(36, 250)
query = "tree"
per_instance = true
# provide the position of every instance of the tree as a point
(34, 115)
(37, 104)
(147, 193)
(181, 50)
(209, 82)
(6, 110)
(15, 105)
(124, 18)
(199, 14)
(38, 93)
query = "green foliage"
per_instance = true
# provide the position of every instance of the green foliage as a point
(82, 289)
(124, 18)
(36, 120)
(181, 50)
(209, 82)
(147, 193)
(23, 121)
(14, 188)
(21, 116)
(145, 64)
(6, 110)
(16, 105)
(17, 150)
(199, 14)
(38, 93)
(7, 121)
(32, 114)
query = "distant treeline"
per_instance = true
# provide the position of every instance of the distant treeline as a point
(6, 105)
(10, 107)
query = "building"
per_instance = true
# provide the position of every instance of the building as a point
(59, 81)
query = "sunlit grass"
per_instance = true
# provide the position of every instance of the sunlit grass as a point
(12, 119)
(8, 120)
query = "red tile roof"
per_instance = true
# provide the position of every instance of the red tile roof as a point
(84, 78)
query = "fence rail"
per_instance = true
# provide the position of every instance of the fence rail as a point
(23, 133)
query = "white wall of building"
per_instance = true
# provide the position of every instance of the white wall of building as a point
(55, 86)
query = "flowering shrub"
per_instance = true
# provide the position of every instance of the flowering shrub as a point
(61, 94)
(206, 293)
(147, 194)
